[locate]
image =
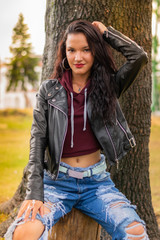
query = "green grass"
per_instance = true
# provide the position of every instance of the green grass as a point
(155, 164)
(14, 151)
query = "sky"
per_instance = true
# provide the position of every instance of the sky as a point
(34, 15)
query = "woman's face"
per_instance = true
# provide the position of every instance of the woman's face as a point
(79, 55)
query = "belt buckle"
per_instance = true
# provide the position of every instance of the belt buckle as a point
(132, 142)
(75, 174)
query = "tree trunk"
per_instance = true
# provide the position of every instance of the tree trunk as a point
(76, 225)
(132, 18)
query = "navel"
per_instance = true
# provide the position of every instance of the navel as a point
(77, 160)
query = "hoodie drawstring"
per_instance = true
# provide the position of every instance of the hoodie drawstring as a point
(72, 120)
(72, 115)
(85, 109)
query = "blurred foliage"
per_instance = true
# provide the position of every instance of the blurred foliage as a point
(155, 61)
(21, 68)
(155, 44)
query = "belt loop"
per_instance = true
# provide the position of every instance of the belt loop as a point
(67, 174)
(91, 171)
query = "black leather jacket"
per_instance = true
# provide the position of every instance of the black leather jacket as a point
(50, 119)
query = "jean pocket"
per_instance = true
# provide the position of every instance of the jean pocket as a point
(101, 176)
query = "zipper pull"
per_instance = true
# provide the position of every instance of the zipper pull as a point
(105, 34)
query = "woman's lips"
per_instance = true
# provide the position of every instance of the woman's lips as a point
(80, 65)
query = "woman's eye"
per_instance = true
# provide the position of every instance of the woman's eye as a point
(86, 50)
(70, 50)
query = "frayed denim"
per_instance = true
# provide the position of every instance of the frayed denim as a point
(96, 196)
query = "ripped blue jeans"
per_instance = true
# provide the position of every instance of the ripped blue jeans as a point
(95, 196)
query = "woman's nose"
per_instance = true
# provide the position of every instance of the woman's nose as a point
(78, 56)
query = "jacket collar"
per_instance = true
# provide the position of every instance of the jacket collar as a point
(56, 96)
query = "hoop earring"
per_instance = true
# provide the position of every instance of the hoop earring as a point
(63, 62)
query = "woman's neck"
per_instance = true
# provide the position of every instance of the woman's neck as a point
(80, 80)
(78, 83)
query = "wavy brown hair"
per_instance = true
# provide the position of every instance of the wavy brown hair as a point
(103, 96)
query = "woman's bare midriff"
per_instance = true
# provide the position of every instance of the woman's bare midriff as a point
(84, 160)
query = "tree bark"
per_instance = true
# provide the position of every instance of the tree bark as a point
(132, 18)
(76, 225)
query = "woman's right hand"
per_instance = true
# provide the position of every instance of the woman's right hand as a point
(100, 26)
(27, 206)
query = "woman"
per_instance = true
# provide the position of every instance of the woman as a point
(78, 115)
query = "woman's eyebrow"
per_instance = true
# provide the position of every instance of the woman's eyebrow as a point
(73, 47)
(86, 46)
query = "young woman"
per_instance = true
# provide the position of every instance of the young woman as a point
(77, 115)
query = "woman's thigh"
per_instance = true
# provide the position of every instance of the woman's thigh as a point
(109, 207)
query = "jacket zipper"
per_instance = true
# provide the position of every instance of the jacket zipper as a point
(125, 132)
(64, 134)
(116, 159)
(119, 37)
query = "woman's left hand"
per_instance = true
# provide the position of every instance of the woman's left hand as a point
(100, 26)
(31, 206)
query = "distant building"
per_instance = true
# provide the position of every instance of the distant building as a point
(17, 99)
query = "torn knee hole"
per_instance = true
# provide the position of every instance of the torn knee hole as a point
(135, 230)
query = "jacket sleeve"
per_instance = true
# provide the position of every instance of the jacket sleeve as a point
(38, 144)
(135, 55)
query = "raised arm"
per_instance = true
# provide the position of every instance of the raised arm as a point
(135, 55)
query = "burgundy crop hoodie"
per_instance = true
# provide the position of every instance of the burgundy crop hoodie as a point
(80, 139)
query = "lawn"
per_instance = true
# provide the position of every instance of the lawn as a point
(14, 151)
(155, 164)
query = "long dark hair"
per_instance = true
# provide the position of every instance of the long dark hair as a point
(103, 96)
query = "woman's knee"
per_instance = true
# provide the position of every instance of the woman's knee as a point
(29, 230)
(136, 231)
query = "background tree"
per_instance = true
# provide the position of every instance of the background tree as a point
(133, 18)
(21, 68)
(155, 59)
